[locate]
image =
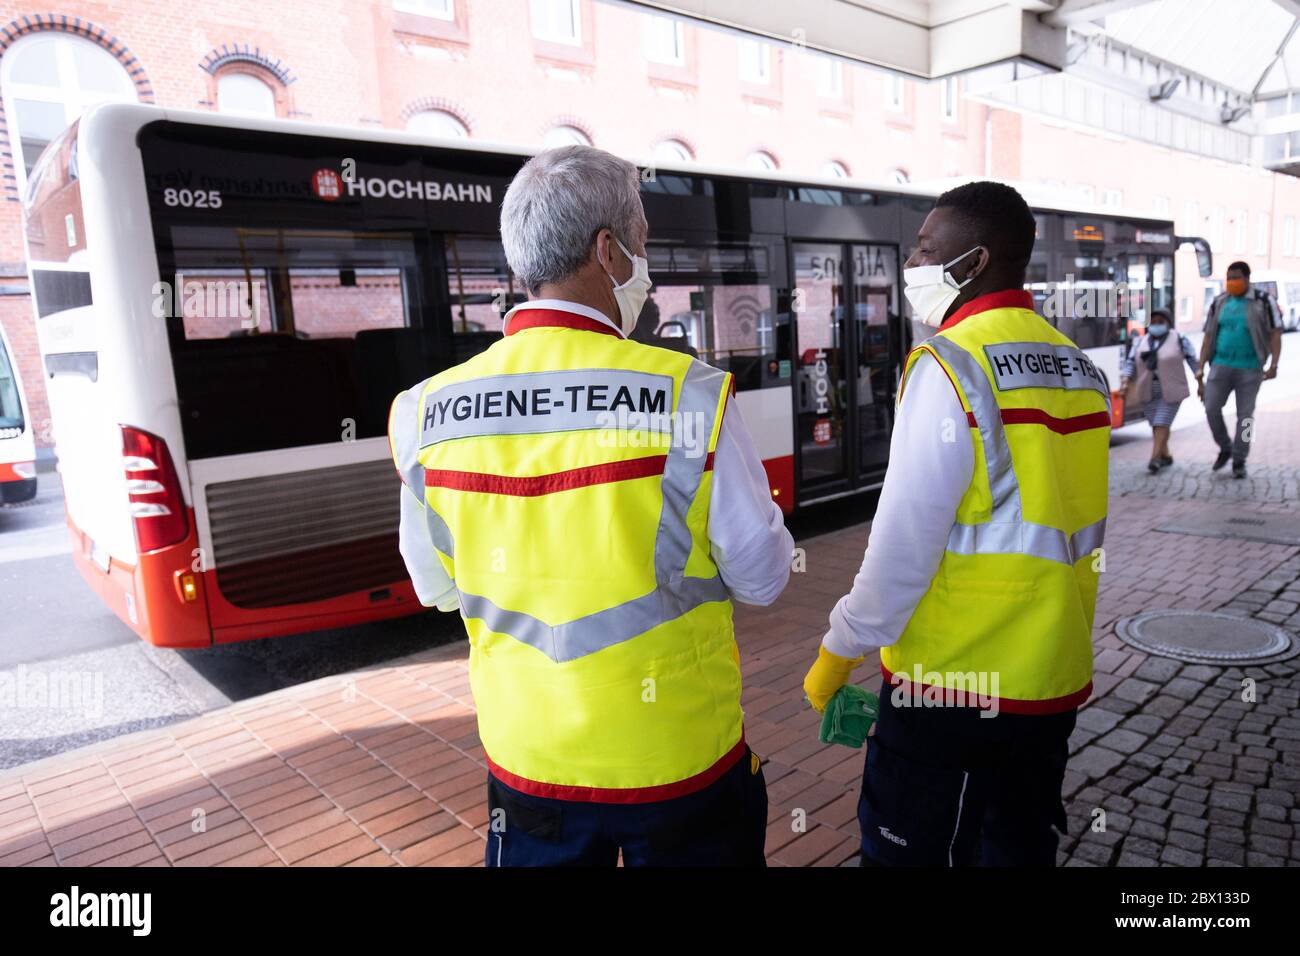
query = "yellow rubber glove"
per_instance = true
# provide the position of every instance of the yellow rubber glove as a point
(827, 675)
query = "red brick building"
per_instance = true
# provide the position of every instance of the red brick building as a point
(552, 71)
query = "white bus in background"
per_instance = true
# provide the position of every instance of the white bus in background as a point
(1284, 287)
(227, 307)
(17, 438)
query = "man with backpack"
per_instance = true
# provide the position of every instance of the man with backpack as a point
(1243, 329)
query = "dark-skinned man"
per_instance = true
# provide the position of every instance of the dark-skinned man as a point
(1243, 330)
(980, 581)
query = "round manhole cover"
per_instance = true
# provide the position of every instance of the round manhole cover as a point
(1207, 637)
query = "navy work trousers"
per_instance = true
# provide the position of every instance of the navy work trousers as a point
(724, 824)
(943, 786)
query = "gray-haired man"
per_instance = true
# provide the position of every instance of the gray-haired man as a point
(593, 505)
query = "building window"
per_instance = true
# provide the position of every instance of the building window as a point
(438, 123)
(762, 160)
(900, 176)
(48, 80)
(672, 151)
(1191, 219)
(1261, 243)
(755, 61)
(1239, 230)
(830, 78)
(835, 170)
(243, 93)
(1112, 197)
(1160, 206)
(442, 9)
(557, 21)
(895, 92)
(1288, 236)
(666, 40)
(1087, 194)
(565, 136)
(950, 94)
(1215, 221)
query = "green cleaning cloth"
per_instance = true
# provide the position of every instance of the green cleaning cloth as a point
(849, 716)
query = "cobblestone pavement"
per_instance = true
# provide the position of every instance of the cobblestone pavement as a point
(1186, 772)
(384, 767)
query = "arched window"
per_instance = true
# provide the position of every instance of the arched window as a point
(565, 136)
(240, 92)
(48, 80)
(760, 159)
(901, 176)
(672, 151)
(835, 170)
(438, 123)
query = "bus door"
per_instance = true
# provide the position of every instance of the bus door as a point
(848, 322)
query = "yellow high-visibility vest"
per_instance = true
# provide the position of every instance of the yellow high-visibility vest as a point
(566, 472)
(1009, 611)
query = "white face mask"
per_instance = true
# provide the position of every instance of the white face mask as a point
(631, 295)
(930, 289)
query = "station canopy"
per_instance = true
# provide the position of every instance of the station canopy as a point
(1216, 77)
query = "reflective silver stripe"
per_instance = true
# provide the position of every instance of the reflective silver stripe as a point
(1042, 365)
(674, 593)
(595, 632)
(988, 418)
(529, 403)
(403, 436)
(1006, 531)
(698, 402)
(1024, 537)
(439, 533)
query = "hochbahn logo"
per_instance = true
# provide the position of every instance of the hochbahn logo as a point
(326, 184)
(330, 185)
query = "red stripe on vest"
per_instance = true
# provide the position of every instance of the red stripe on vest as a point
(534, 485)
(553, 318)
(667, 791)
(1036, 416)
(1062, 426)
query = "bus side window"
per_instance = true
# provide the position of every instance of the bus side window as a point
(481, 289)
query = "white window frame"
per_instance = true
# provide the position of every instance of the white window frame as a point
(1241, 229)
(895, 93)
(763, 60)
(541, 29)
(830, 78)
(654, 51)
(73, 100)
(951, 94)
(249, 77)
(1263, 235)
(1112, 197)
(435, 9)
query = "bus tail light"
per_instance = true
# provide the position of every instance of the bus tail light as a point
(157, 506)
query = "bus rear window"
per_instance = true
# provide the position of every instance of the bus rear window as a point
(282, 338)
(11, 409)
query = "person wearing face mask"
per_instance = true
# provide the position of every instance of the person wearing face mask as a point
(1152, 374)
(979, 581)
(593, 505)
(1243, 335)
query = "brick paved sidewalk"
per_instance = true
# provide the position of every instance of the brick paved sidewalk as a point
(383, 766)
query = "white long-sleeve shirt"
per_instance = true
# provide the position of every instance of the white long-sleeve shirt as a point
(748, 539)
(931, 457)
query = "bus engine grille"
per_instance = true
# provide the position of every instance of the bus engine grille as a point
(306, 535)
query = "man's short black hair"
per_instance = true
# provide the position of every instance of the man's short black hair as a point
(997, 216)
(1241, 267)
